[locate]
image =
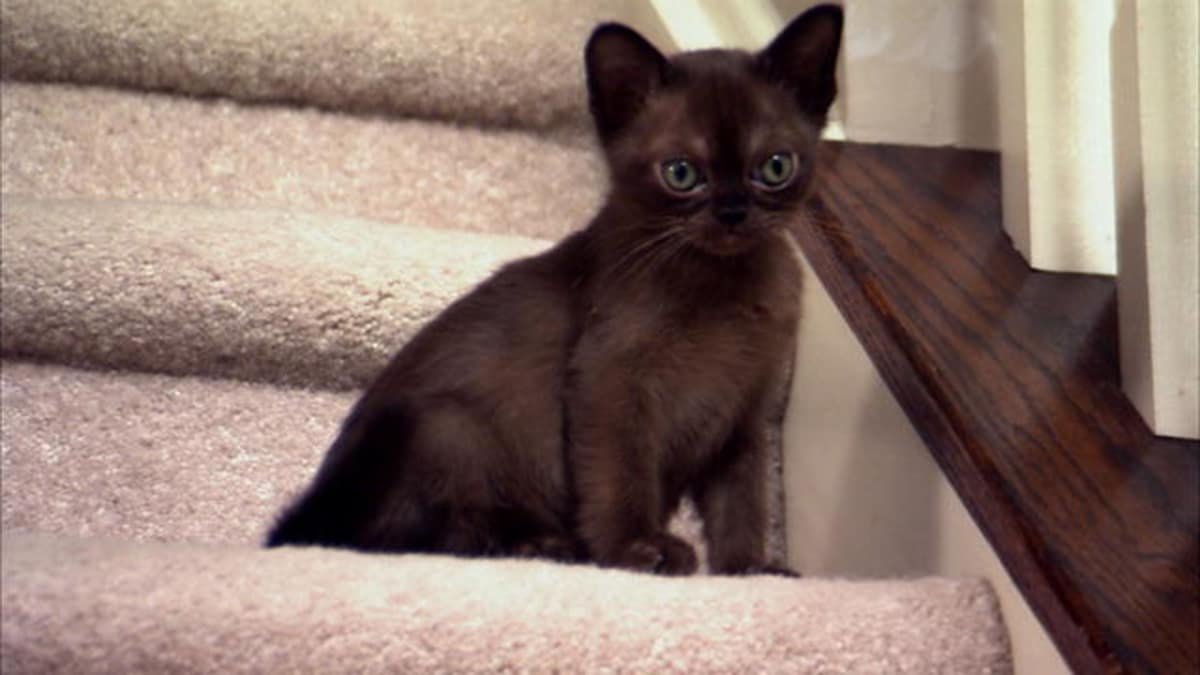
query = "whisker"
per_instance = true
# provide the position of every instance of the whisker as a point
(637, 250)
(635, 262)
(662, 254)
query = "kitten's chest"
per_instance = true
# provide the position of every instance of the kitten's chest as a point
(688, 368)
(725, 349)
(716, 323)
(704, 356)
(708, 374)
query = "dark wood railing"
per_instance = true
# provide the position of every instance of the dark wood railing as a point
(1010, 376)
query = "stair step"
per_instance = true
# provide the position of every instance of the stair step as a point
(251, 294)
(513, 64)
(155, 458)
(236, 609)
(63, 141)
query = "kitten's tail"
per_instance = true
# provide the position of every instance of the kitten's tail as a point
(358, 478)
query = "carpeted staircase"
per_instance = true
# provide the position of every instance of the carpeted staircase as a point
(219, 220)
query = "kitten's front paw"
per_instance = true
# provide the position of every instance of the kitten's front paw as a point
(775, 570)
(660, 554)
(551, 547)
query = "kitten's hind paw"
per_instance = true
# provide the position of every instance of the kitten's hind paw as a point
(660, 554)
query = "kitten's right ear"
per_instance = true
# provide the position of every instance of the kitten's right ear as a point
(622, 70)
(803, 58)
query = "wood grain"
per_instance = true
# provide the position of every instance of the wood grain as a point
(1010, 377)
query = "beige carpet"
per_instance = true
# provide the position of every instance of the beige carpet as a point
(261, 295)
(218, 219)
(186, 608)
(490, 63)
(68, 141)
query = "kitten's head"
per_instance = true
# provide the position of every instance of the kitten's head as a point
(716, 145)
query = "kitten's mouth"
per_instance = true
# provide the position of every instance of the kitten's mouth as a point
(728, 242)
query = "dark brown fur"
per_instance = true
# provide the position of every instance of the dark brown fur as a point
(566, 405)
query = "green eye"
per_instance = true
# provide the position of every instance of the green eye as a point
(680, 175)
(778, 169)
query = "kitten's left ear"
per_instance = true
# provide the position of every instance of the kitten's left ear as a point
(622, 70)
(804, 58)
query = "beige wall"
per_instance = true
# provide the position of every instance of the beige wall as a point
(920, 72)
(864, 496)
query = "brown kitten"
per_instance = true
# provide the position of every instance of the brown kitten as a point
(566, 405)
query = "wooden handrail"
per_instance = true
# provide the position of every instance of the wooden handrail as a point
(1010, 376)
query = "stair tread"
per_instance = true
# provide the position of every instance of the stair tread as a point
(506, 64)
(251, 294)
(1008, 374)
(87, 142)
(146, 457)
(238, 609)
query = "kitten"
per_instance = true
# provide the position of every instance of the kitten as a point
(566, 405)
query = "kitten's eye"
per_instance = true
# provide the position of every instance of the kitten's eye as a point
(680, 175)
(777, 170)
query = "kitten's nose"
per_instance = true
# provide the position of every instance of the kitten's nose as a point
(731, 215)
(731, 210)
